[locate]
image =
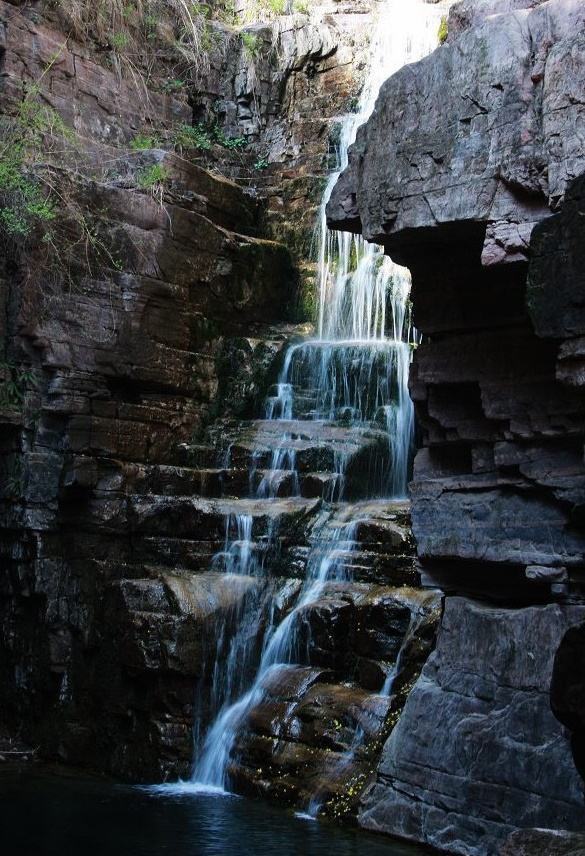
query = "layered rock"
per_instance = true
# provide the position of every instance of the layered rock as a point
(533, 842)
(499, 140)
(496, 380)
(456, 174)
(478, 751)
(112, 365)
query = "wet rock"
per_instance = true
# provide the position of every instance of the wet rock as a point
(534, 842)
(317, 729)
(499, 482)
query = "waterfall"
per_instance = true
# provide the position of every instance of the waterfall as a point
(351, 379)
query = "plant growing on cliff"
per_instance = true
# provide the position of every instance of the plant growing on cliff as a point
(153, 178)
(12, 385)
(443, 30)
(221, 137)
(141, 142)
(191, 137)
(267, 9)
(136, 33)
(251, 43)
(41, 218)
(25, 200)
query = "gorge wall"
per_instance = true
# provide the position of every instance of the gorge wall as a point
(457, 173)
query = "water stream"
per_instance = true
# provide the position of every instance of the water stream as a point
(354, 374)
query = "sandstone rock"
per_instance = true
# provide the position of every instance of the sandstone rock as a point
(558, 256)
(568, 690)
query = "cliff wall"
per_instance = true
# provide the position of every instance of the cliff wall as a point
(468, 174)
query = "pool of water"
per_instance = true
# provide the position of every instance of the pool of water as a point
(44, 813)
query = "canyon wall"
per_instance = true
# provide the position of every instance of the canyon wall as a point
(468, 173)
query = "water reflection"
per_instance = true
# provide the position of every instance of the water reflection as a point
(43, 814)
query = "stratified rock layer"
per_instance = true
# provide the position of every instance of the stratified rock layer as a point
(492, 137)
(478, 751)
(536, 842)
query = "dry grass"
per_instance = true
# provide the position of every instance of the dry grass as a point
(137, 32)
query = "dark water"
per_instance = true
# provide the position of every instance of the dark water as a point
(45, 814)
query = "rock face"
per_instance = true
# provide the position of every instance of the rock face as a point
(534, 842)
(478, 751)
(457, 173)
(108, 370)
(499, 140)
(299, 742)
(568, 690)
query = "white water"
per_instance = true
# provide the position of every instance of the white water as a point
(357, 368)
(356, 374)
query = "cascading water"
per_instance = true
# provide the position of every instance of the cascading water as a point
(358, 367)
(353, 375)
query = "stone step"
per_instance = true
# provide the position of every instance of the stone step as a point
(185, 517)
(242, 483)
(315, 446)
(198, 455)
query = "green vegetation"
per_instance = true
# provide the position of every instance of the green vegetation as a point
(203, 137)
(251, 42)
(136, 32)
(277, 7)
(39, 208)
(443, 30)
(12, 385)
(119, 41)
(261, 163)
(152, 177)
(26, 202)
(143, 141)
(220, 137)
(192, 137)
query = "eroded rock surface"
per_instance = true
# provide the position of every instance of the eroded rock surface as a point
(534, 842)
(478, 751)
(494, 134)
